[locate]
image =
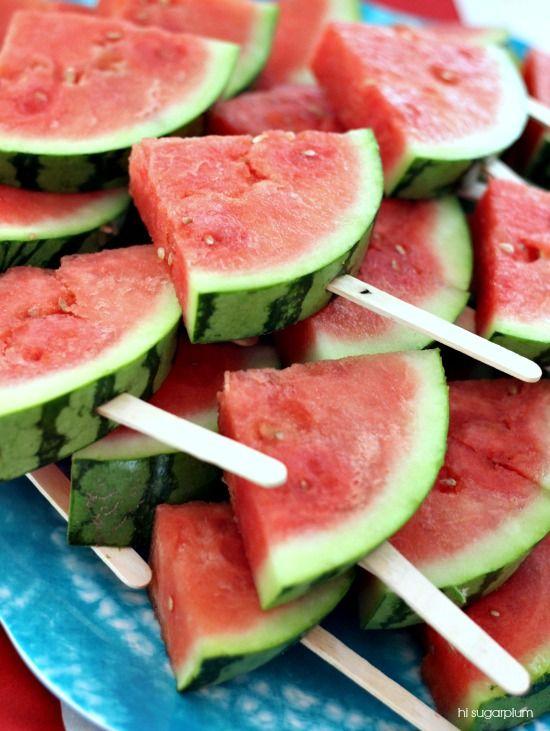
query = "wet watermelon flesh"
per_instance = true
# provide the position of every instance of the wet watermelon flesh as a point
(301, 24)
(517, 616)
(335, 425)
(512, 242)
(497, 464)
(9, 7)
(227, 204)
(402, 259)
(366, 71)
(52, 320)
(292, 107)
(112, 74)
(536, 74)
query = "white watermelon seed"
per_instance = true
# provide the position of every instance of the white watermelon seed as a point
(450, 481)
(508, 248)
(209, 240)
(187, 220)
(161, 253)
(494, 613)
(400, 249)
(170, 604)
(394, 264)
(309, 153)
(113, 35)
(170, 259)
(259, 138)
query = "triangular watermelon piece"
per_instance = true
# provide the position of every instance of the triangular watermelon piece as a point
(76, 91)
(434, 105)
(250, 25)
(206, 602)
(512, 242)
(490, 504)
(254, 228)
(517, 616)
(363, 439)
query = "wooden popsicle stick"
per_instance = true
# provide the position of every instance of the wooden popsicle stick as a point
(125, 563)
(495, 168)
(195, 440)
(446, 618)
(538, 111)
(368, 296)
(405, 704)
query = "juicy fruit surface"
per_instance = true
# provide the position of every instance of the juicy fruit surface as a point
(301, 24)
(517, 616)
(52, 320)
(366, 73)
(512, 241)
(497, 463)
(335, 425)
(140, 73)
(9, 7)
(203, 592)
(410, 255)
(292, 107)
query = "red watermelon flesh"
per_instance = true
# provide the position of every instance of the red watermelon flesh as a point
(52, 320)
(301, 24)
(292, 107)
(497, 469)
(512, 240)
(517, 616)
(366, 72)
(419, 251)
(335, 425)
(9, 7)
(206, 602)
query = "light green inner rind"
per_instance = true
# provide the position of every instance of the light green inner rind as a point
(245, 305)
(530, 339)
(219, 658)
(218, 69)
(253, 58)
(292, 566)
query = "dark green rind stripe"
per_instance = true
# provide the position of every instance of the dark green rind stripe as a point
(491, 715)
(534, 349)
(380, 608)
(48, 252)
(224, 316)
(113, 500)
(58, 427)
(224, 667)
(428, 178)
(538, 170)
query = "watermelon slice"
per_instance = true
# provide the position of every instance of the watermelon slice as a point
(419, 251)
(253, 229)
(334, 425)
(301, 25)
(292, 107)
(77, 91)
(250, 25)
(463, 34)
(73, 338)
(206, 603)
(117, 482)
(462, 102)
(534, 147)
(517, 616)
(495, 482)
(38, 228)
(512, 242)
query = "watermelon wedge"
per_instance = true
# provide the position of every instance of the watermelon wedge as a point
(517, 616)
(419, 251)
(301, 25)
(534, 147)
(512, 241)
(73, 338)
(206, 602)
(292, 107)
(253, 229)
(37, 229)
(76, 91)
(335, 425)
(490, 504)
(117, 482)
(250, 25)
(461, 102)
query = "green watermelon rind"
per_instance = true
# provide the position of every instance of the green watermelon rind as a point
(530, 339)
(87, 230)
(472, 572)
(56, 414)
(74, 165)
(453, 247)
(251, 62)
(218, 659)
(427, 170)
(223, 308)
(292, 567)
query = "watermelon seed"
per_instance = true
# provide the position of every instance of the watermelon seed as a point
(63, 305)
(259, 138)
(270, 432)
(209, 240)
(445, 75)
(33, 312)
(400, 249)
(394, 264)
(170, 259)
(70, 76)
(170, 604)
(494, 613)
(309, 153)
(161, 253)
(304, 484)
(449, 481)
(508, 248)
(113, 35)
(187, 220)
